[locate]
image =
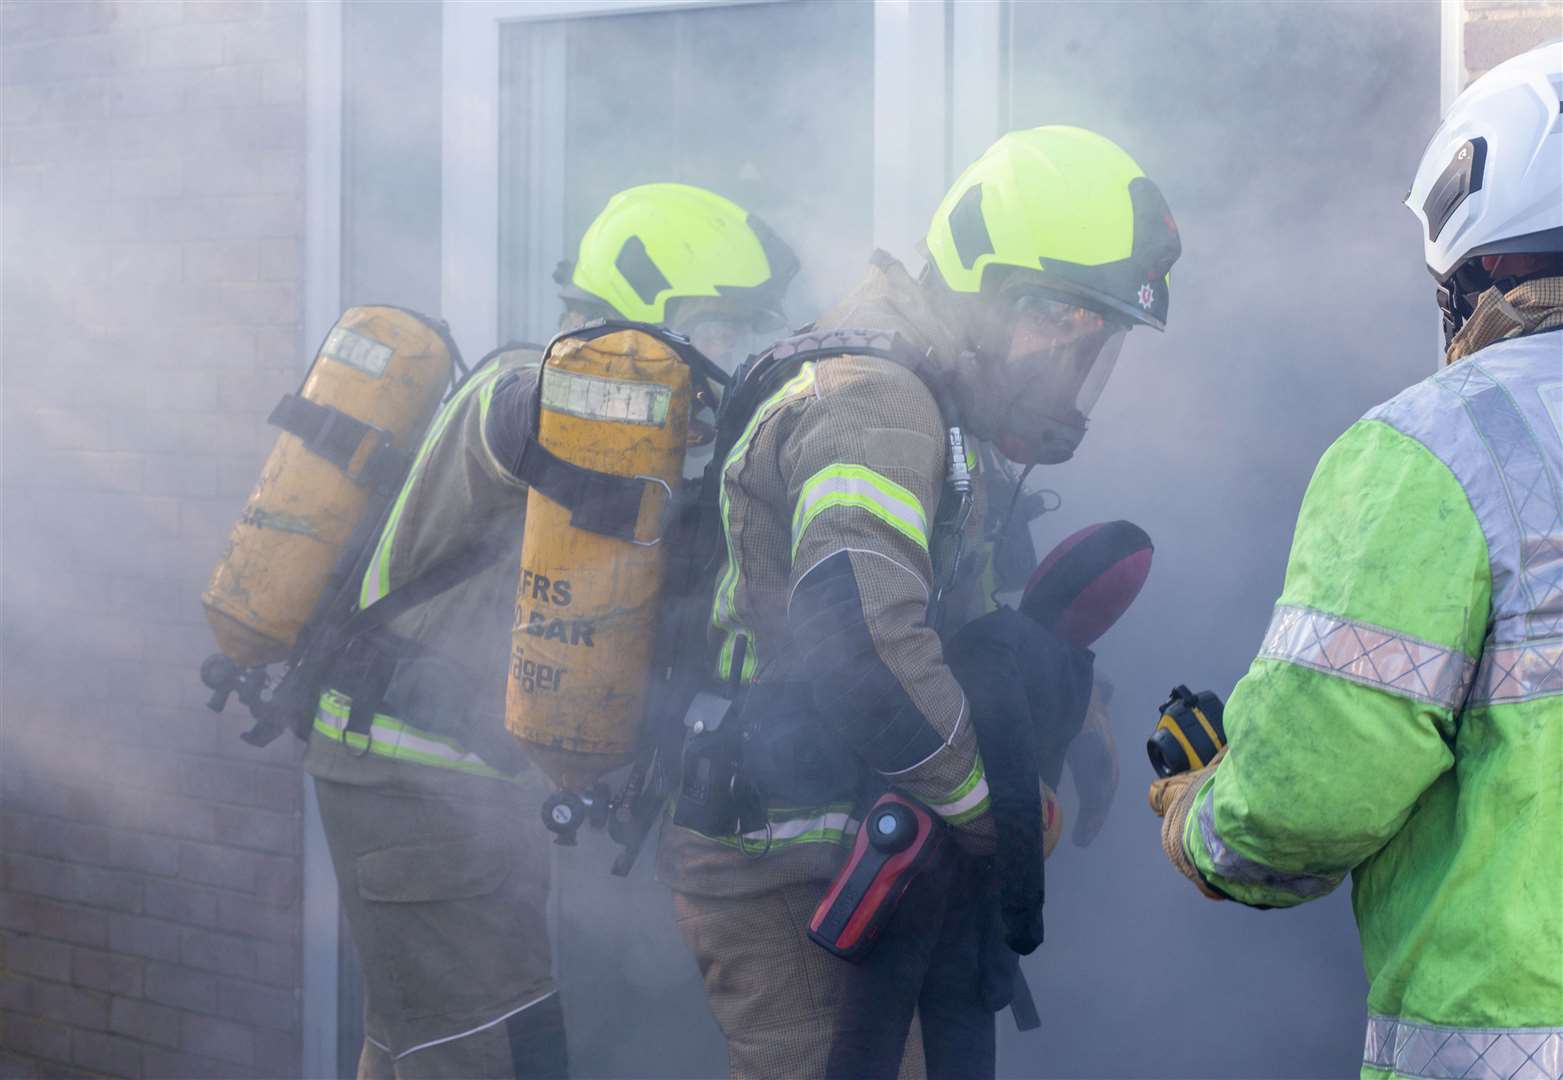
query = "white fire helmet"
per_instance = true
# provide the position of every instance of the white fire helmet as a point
(1491, 179)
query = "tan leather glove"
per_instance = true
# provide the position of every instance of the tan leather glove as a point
(1172, 799)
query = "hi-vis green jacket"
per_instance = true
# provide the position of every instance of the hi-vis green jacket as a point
(1403, 721)
(440, 709)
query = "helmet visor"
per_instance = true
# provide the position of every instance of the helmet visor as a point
(1065, 353)
(1058, 357)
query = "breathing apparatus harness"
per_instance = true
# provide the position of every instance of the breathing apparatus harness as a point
(340, 641)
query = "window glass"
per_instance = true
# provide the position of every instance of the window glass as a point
(770, 105)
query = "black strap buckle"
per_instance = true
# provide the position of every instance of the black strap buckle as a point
(332, 434)
(599, 502)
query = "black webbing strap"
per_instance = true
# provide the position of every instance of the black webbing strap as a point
(598, 502)
(330, 433)
(381, 653)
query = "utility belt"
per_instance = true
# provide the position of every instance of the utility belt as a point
(766, 746)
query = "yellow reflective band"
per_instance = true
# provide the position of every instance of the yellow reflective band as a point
(377, 578)
(1215, 740)
(860, 488)
(724, 607)
(1168, 724)
(969, 799)
(832, 824)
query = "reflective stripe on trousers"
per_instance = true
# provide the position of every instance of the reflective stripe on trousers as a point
(1435, 1052)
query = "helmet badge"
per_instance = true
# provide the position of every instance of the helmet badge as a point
(1147, 296)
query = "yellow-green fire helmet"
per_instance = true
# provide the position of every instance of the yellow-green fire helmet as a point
(1064, 209)
(656, 245)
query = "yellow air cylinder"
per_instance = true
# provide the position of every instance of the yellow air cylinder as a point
(384, 366)
(586, 603)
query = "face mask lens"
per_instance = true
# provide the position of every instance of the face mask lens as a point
(1061, 355)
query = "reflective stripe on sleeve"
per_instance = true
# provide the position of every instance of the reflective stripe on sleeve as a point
(1436, 1052)
(1228, 864)
(1371, 655)
(391, 738)
(969, 800)
(1520, 671)
(861, 488)
(724, 606)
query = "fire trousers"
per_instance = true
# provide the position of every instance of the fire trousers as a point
(775, 994)
(446, 900)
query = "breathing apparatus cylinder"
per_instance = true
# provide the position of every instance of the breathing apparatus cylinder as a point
(613, 405)
(368, 396)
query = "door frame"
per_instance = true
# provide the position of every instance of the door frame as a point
(932, 62)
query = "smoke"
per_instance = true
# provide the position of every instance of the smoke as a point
(1283, 136)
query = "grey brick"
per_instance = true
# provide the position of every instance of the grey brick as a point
(106, 1053)
(146, 93)
(179, 902)
(179, 474)
(145, 177)
(281, 259)
(72, 1005)
(238, 914)
(40, 1038)
(168, 1066)
(261, 305)
(220, 1039)
(216, 780)
(258, 1006)
(106, 889)
(283, 83)
(27, 22)
(279, 1054)
(41, 877)
(185, 46)
(278, 789)
(183, 987)
(268, 41)
(222, 261)
(277, 964)
(51, 919)
(112, 973)
(16, 993)
(250, 827)
(226, 954)
(228, 87)
(277, 880)
(139, 936)
(173, 816)
(224, 10)
(145, 1021)
(222, 866)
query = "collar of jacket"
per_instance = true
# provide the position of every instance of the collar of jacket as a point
(889, 299)
(1530, 308)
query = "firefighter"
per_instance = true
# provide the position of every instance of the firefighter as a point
(1042, 256)
(1401, 722)
(428, 806)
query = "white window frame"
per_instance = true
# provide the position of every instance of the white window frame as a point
(920, 48)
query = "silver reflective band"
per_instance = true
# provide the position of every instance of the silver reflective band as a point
(592, 397)
(1230, 865)
(1442, 1053)
(1522, 672)
(1367, 654)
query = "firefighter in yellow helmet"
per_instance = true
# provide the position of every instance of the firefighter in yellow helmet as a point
(427, 803)
(838, 501)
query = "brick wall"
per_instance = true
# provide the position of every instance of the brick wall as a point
(153, 211)
(1496, 30)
